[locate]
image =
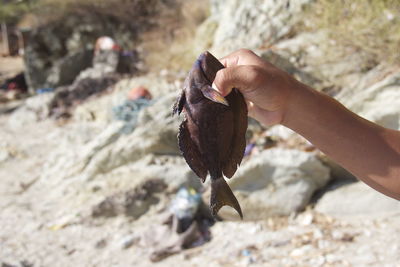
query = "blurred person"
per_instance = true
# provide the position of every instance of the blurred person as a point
(369, 151)
(105, 43)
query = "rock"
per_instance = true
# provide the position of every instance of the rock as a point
(34, 109)
(155, 133)
(378, 103)
(280, 132)
(315, 53)
(23, 263)
(105, 62)
(129, 111)
(4, 154)
(93, 109)
(285, 64)
(71, 162)
(158, 86)
(66, 98)
(338, 173)
(134, 202)
(53, 47)
(204, 37)
(356, 199)
(254, 23)
(171, 169)
(66, 69)
(128, 240)
(277, 182)
(102, 243)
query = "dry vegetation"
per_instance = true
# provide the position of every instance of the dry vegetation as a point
(138, 14)
(166, 28)
(173, 45)
(370, 26)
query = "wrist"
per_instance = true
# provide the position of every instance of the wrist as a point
(298, 98)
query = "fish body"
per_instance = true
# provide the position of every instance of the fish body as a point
(212, 135)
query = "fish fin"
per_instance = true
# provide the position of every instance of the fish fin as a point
(179, 103)
(222, 195)
(239, 109)
(213, 95)
(190, 152)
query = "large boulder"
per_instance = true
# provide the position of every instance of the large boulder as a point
(277, 182)
(155, 133)
(133, 202)
(254, 23)
(66, 69)
(316, 53)
(356, 199)
(172, 169)
(285, 64)
(34, 109)
(379, 102)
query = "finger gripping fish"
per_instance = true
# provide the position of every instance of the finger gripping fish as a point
(212, 135)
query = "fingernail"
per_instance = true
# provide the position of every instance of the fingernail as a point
(214, 86)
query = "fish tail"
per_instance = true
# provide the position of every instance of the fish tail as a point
(222, 195)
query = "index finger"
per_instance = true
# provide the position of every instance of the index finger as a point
(242, 57)
(230, 60)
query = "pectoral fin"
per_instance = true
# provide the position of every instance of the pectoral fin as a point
(180, 102)
(213, 95)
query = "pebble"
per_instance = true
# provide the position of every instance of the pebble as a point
(305, 219)
(128, 241)
(301, 251)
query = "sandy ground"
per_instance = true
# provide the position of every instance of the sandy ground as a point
(31, 231)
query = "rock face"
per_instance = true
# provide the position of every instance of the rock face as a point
(285, 64)
(67, 97)
(278, 182)
(34, 109)
(134, 202)
(254, 23)
(315, 53)
(58, 51)
(155, 133)
(356, 199)
(379, 103)
(66, 69)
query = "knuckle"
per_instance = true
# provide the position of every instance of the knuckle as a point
(221, 75)
(245, 51)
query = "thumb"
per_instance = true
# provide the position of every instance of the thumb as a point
(239, 77)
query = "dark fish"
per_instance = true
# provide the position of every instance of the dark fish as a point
(212, 136)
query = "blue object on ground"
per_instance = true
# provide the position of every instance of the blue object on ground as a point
(129, 112)
(186, 203)
(44, 90)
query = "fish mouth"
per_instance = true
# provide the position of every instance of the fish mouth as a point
(201, 66)
(201, 63)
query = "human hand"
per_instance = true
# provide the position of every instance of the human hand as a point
(265, 88)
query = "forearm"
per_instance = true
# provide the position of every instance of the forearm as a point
(369, 151)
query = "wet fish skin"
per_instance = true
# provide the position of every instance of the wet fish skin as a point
(212, 135)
